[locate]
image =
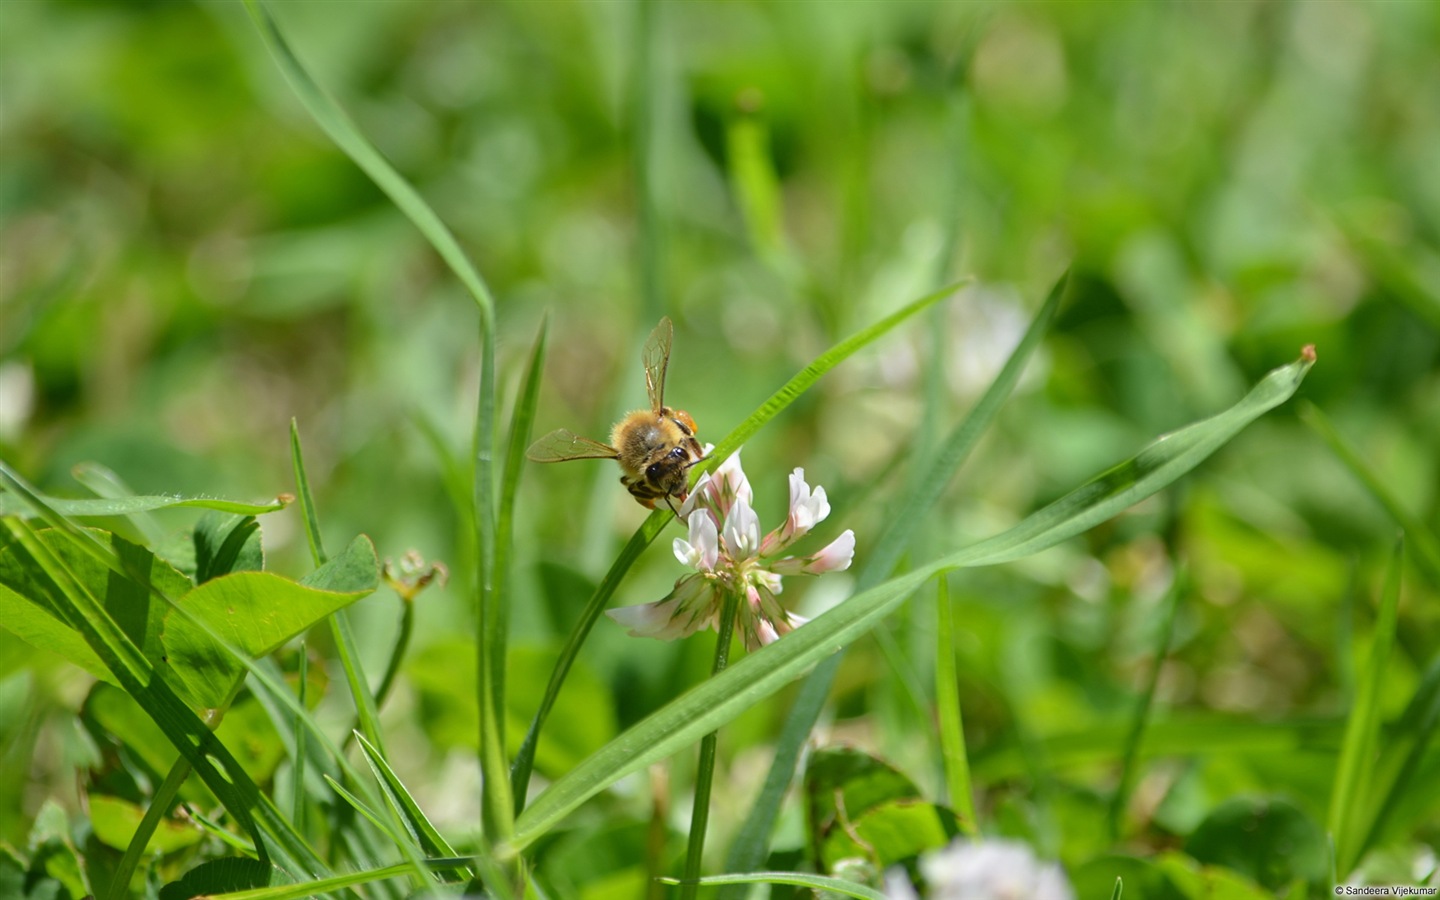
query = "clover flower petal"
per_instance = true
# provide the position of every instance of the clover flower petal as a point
(835, 557)
(983, 870)
(703, 549)
(725, 549)
(742, 530)
(688, 608)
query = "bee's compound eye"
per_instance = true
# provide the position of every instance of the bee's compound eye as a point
(677, 453)
(653, 471)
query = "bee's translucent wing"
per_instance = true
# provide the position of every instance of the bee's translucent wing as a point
(657, 359)
(563, 444)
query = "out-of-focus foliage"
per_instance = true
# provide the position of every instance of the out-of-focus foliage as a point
(186, 263)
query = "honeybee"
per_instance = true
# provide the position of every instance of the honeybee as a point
(655, 447)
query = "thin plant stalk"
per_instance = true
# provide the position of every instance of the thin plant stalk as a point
(952, 725)
(397, 653)
(705, 774)
(159, 804)
(1126, 783)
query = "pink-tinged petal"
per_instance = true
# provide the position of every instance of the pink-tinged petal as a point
(729, 485)
(689, 608)
(807, 509)
(742, 531)
(834, 558)
(703, 548)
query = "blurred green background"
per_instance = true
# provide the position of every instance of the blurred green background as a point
(186, 263)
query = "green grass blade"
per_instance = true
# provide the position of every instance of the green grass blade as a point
(1131, 757)
(297, 813)
(655, 522)
(1408, 742)
(922, 492)
(11, 505)
(928, 487)
(644, 80)
(307, 500)
(367, 713)
(110, 486)
(1425, 546)
(159, 806)
(806, 377)
(760, 674)
(802, 879)
(497, 805)
(317, 888)
(1119, 889)
(364, 810)
(411, 815)
(341, 129)
(1348, 804)
(952, 724)
(496, 634)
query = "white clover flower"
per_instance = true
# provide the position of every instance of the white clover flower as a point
(983, 870)
(725, 549)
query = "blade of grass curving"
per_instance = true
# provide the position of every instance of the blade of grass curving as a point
(109, 486)
(128, 506)
(319, 887)
(925, 490)
(365, 812)
(225, 836)
(411, 815)
(1131, 757)
(497, 804)
(755, 677)
(822, 884)
(415, 867)
(341, 129)
(307, 500)
(367, 713)
(644, 81)
(1417, 726)
(349, 880)
(159, 805)
(521, 421)
(919, 496)
(1348, 799)
(497, 809)
(655, 522)
(1425, 546)
(952, 724)
(806, 377)
(1119, 889)
(297, 812)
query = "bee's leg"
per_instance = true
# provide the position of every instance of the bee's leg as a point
(671, 503)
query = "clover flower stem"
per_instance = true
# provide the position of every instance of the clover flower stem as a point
(700, 816)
